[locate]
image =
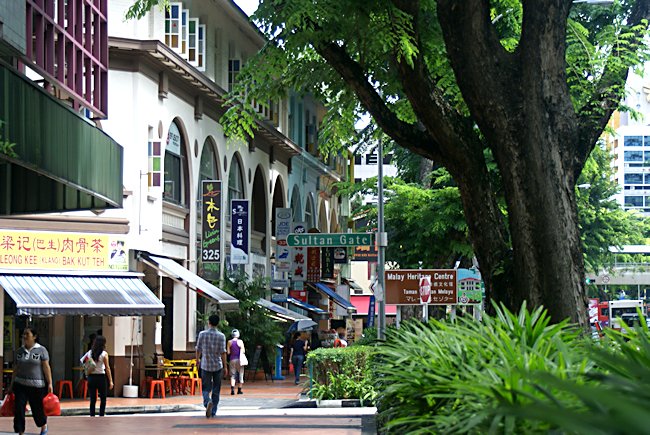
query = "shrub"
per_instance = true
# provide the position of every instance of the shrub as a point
(615, 398)
(342, 373)
(454, 377)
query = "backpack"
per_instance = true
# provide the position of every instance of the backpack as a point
(89, 364)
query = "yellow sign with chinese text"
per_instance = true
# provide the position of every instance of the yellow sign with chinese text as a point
(62, 251)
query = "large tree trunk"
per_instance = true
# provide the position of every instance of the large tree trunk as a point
(525, 112)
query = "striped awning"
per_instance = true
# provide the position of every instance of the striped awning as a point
(175, 271)
(280, 311)
(49, 295)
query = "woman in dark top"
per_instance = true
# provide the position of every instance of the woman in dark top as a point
(297, 355)
(31, 381)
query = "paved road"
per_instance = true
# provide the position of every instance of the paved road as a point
(341, 421)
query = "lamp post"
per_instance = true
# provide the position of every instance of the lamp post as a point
(382, 241)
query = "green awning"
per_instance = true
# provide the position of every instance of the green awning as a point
(62, 162)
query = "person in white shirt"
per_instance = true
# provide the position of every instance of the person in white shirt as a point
(98, 377)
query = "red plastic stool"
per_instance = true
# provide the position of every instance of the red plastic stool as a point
(60, 385)
(152, 388)
(194, 382)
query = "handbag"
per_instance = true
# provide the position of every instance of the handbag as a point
(8, 405)
(89, 364)
(243, 360)
(51, 405)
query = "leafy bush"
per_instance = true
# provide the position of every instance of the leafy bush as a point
(455, 377)
(369, 337)
(615, 398)
(342, 373)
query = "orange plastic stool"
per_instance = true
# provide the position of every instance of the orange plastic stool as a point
(61, 384)
(152, 388)
(195, 382)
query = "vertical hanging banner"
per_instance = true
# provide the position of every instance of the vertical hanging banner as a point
(298, 255)
(313, 261)
(283, 217)
(240, 231)
(327, 262)
(211, 221)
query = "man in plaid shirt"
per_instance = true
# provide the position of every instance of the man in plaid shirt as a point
(211, 357)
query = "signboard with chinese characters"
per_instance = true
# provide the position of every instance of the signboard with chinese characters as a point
(240, 231)
(313, 258)
(211, 221)
(62, 251)
(283, 217)
(403, 286)
(298, 255)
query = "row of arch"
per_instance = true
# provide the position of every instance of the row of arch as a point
(177, 184)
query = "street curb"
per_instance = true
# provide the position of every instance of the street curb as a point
(146, 409)
(315, 403)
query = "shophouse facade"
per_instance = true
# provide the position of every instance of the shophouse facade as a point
(167, 75)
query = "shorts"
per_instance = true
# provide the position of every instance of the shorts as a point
(236, 369)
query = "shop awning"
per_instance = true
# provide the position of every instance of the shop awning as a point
(305, 306)
(280, 311)
(353, 284)
(48, 295)
(362, 302)
(175, 271)
(327, 291)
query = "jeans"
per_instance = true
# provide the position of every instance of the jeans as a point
(97, 383)
(211, 383)
(297, 365)
(33, 395)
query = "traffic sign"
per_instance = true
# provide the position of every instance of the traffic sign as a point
(330, 240)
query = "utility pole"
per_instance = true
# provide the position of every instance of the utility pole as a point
(382, 241)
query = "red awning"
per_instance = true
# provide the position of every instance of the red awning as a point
(362, 302)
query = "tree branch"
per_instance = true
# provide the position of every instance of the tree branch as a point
(407, 135)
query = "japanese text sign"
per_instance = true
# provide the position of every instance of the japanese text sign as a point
(403, 286)
(240, 231)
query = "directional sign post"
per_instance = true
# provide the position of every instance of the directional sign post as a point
(325, 240)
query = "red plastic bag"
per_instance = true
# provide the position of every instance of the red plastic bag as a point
(8, 405)
(291, 368)
(51, 405)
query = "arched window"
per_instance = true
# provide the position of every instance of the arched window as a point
(174, 190)
(235, 183)
(309, 212)
(296, 206)
(209, 164)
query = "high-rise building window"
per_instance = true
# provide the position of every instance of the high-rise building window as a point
(371, 158)
(633, 141)
(633, 201)
(633, 156)
(357, 160)
(633, 178)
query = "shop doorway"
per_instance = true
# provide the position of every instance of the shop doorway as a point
(168, 319)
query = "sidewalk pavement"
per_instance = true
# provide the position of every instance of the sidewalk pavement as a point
(258, 394)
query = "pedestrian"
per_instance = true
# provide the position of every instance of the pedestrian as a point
(100, 378)
(340, 340)
(211, 359)
(235, 348)
(31, 381)
(297, 354)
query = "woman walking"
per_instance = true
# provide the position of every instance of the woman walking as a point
(235, 348)
(98, 377)
(31, 381)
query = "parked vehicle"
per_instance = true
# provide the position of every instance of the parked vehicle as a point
(623, 307)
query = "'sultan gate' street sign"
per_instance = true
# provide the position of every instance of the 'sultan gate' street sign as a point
(330, 240)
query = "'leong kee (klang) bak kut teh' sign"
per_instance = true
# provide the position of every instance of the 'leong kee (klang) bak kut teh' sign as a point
(403, 286)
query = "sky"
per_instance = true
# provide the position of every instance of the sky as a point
(248, 6)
